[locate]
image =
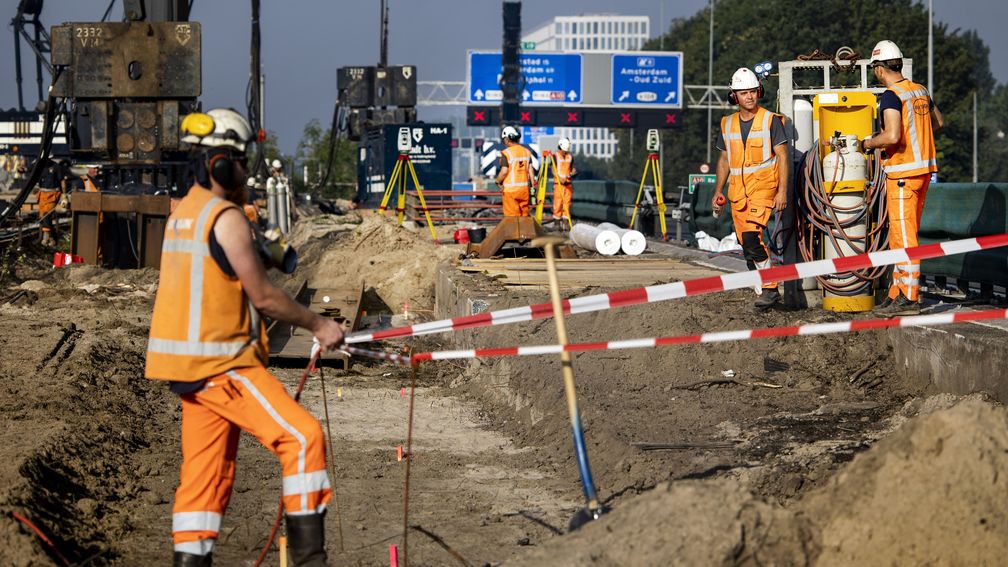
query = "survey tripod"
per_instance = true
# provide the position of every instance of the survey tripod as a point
(651, 165)
(397, 183)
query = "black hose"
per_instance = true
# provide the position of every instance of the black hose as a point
(48, 133)
(822, 225)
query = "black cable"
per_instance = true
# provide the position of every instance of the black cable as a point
(107, 12)
(338, 125)
(48, 133)
(252, 93)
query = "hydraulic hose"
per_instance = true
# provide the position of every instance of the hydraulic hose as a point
(827, 223)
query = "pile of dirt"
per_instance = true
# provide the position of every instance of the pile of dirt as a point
(398, 262)
(932, 491)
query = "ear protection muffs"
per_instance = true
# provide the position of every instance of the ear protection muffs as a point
(734, 99)
(222, 170)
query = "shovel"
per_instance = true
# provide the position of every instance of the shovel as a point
(593, 508)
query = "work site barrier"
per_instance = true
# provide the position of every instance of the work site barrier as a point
(676, 290)
(462, 206)
(959, 210)
(604, 201)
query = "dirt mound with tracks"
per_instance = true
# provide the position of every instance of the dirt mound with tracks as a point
(788, 451)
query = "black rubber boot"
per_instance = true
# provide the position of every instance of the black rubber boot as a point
(306, 540)
(766, 300)
(181, 559)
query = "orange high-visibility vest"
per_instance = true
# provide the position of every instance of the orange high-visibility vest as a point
(519, 176)
(203, 323)
(753, 167)
(914, 154)
(89, 185)
(563, 168)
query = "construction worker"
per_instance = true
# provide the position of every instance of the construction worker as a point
(753, 160)
(515, 175)
(88, 182)
(51, 186)
(909, 118)
(563, 186)
(208, 340)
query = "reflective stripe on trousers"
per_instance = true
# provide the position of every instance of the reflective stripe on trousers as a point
(905, 200)
(248, 399)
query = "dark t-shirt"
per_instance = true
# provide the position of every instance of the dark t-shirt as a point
(889, 99)
(777, 135)
(52, 175)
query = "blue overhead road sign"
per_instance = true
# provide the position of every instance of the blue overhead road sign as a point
(647, 78)
(550, 78)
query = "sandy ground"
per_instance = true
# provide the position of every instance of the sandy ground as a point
(815, 453)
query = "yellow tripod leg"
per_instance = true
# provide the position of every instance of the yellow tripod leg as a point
(388, 187)
(660, 197)
(640, 190)
(401, 197)
(541, 188)
(423, 202)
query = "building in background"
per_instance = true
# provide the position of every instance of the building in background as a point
(586, 33)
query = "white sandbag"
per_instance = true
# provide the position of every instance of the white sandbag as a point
(729, 243)
(632, 242)
(706, 242)
(605, 242)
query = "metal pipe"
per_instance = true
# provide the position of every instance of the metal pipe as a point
(710, 78)
(974, 136)
(930, 84)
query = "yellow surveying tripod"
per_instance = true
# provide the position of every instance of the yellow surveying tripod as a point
(398, 182)
(651, 164)
(541, 182)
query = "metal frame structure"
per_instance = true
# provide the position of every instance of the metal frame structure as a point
(788, 90)
(453, 93)
(28, 15)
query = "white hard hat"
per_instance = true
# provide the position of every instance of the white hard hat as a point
(564, 144)
(510, 133)
(744, 79)
(886, 50)
(276, 164)
(220, 127)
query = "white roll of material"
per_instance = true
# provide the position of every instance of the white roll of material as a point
(605, 242)
(632, 242)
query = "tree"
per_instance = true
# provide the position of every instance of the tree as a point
(313, 154)
(746, 33)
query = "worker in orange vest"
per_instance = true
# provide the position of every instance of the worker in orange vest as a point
(909, 118)
(563, 186)
(208, 340)
(51, 186)
(753, 160)
(516, 174)
(87, 181)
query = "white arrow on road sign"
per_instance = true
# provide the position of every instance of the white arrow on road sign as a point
(669, 96)
(478, 95)
(572, 95)
(624, 95)
(525, 95)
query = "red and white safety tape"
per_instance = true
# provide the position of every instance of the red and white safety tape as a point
(377, 355)
(723, 336)
(676, 290)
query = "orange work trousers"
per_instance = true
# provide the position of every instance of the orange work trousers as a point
(516, 203)
(253, 400)
(47, 201)
(562, 195)
(750, 216)
(905, 200)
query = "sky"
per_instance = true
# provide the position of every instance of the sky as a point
(305, 41)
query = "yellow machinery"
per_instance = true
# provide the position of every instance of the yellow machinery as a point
(842, 194)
